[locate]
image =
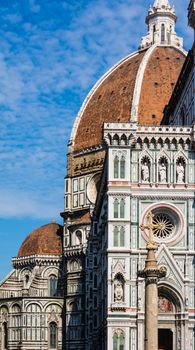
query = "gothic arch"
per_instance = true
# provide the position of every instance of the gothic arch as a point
(50, 270)
(118, 288)
(37, 304)
(23, 272)
(180, 165)
(17, 306)
(169, 292)
(115, 140)
(145, 157)
(49, 304)
(163, 160)
(123, 140)
(118, 267)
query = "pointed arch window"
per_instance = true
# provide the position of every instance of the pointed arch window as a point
(119, 236)
(122, 209)
(121, 342)
(53, 335)
(119, 167)
(118, 341)
(122, 236)
(162, 33)
(116, 208)
(119, 208)
(53, 285)
(115, 342)
(116, 167)
(116, 232)
(122, 167)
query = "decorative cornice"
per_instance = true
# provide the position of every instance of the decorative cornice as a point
(75, 250)
(38, 260)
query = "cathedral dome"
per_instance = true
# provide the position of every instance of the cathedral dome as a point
(136, 89)
(46, 239)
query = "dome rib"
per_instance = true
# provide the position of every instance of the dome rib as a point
(144, 79)
(90, 96)
(138, 84)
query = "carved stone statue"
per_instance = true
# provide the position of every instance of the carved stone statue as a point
(145, 172)
(163, 172)
(118, 291)
(180, 173)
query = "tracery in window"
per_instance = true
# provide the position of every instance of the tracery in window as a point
(122, 167)
(119, 236)
(122, 208)
(118, 340)
(119, 208)
(116, 208)
(116, 167)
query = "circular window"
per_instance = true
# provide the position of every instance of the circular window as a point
(165, 226)
(168, 223)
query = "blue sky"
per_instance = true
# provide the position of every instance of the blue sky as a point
(52, 52)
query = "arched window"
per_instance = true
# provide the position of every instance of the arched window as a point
(116, 236)
(122, 237)
(116, 208)
(53, 285)
(27, 279)
(122, 168)
(119, 236)
(78, 237)
(154, 31)
(118, 341)
(162, 33)
(53, 335)
(115, 342)
(5, 336)
(122, 209)
(121, 342)
(116, 167)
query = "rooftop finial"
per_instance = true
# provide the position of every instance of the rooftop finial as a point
(161, 21)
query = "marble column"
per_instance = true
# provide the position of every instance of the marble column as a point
(151, 274)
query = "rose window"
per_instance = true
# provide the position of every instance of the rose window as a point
(167, 222)
(165, 226)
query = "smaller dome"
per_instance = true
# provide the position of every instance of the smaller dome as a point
(46, 239)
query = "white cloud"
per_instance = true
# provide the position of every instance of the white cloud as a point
(47, 66)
